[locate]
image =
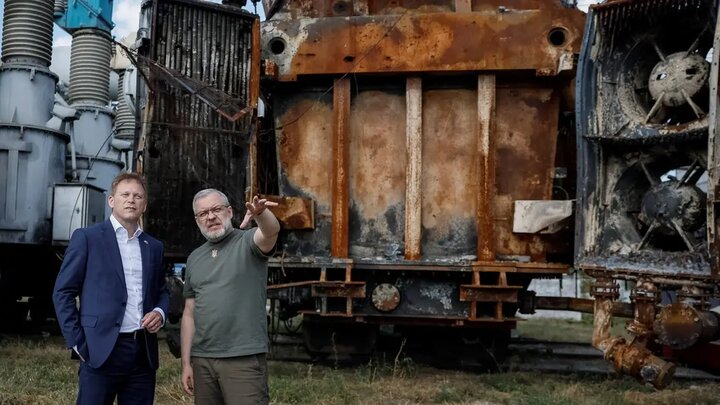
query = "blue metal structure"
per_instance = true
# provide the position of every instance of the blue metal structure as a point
(82, 14)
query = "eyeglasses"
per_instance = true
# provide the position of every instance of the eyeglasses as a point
(216, 210)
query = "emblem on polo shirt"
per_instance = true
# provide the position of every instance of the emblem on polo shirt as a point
(214, 253)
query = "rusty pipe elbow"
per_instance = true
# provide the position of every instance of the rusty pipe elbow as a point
(639, 362)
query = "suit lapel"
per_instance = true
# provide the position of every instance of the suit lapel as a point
(110, 241)
(146, 268)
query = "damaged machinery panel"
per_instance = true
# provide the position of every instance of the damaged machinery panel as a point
(646, 122)
(643, 97)
(415, 127)
(185, 143)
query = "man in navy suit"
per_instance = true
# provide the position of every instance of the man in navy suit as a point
(117, 271)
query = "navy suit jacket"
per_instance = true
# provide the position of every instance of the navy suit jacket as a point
(92, 269)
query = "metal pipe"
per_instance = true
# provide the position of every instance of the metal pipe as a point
(681, 326)
(27, 32)
(636, 360)
(645, 296)
(628, 358)
(605, 291)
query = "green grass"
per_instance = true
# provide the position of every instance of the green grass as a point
(39, 371)
(562, 330)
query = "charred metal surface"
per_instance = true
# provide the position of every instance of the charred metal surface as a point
(449, 112)
(713, 155)
(293, 212)
(377, 174)
(643, 91)
(304, 146)
(525, 136)
(537, 36)
(339, 289)
(652, 79)
(489, 293)
(681, 326)
(208, 43)
(449, 178)
(651, 214)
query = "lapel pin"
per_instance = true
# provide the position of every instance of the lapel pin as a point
(146, 242)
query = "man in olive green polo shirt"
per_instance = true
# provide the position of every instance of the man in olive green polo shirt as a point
(223, 333)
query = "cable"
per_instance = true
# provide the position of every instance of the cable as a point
(84, 182)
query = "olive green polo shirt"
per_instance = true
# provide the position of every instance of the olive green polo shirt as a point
(228, 280)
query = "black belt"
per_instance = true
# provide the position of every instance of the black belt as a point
(132, 335)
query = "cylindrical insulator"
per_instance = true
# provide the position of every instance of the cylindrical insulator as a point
(124, 120)
(90, 56)
(60, 7)
(28, 31)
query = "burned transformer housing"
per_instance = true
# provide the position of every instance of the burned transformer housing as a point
(646, 111)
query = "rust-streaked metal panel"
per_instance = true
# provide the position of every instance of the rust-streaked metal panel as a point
(304, 154)
(377, 173)
(255, 65)
(294, 213)
(526, 137)
(449, 185)
(413, 197)
(187, 145)
(518, 39)
(486, 168)
(340, 180)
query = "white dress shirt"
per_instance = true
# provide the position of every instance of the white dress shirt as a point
(132, 267)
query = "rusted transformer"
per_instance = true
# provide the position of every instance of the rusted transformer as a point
(648, 187)
(424, 155)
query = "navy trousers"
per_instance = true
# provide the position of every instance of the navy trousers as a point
(126, 375)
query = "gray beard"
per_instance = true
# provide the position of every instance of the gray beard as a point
(218, 235)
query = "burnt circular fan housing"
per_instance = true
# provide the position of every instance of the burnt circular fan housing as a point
(659, 202)
(663, 76)
(673, 205)
(678, 78)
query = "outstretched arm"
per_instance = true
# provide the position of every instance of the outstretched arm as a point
(268, 226)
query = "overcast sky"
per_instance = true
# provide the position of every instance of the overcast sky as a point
(126, 16)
